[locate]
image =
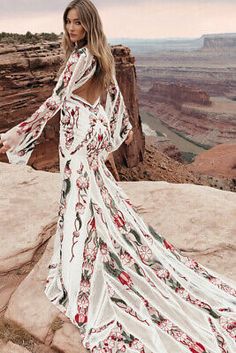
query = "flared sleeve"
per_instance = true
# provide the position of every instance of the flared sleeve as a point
(117, 112)
(22, 138)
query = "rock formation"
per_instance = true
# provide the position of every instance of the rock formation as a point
(177, 94)
(126, 76)
(219, 161)
(192, 217)
(222, 41)
(209, 70)
(28, 75)
(203, 125)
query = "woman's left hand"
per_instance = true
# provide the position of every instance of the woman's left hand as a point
(129, 138)
(5, 147)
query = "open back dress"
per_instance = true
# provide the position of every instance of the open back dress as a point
(124, 286)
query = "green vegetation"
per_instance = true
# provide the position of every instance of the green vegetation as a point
(16, 38)
(159, 133)
(188, 157)
(199, 144)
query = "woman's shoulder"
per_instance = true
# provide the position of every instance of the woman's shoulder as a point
(82, 51)
(83, 54)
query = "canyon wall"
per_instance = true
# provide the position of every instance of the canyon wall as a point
(27, 77)
(178, 94)
(219, 41)
(192, 113)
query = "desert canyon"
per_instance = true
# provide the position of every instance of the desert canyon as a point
(183, 158)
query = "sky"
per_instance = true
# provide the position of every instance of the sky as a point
(127, 18)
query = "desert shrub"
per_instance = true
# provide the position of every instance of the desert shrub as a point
(31, 38)
(188, 157)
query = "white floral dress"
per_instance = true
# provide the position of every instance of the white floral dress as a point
(124, 286)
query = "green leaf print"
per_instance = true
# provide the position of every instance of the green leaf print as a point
(137, 236)
(155, 234)
(117, 301)
(67, 186)
(116, 259)
(137, 268)
(127, 240)
(78, 218)
(127, 338)
(60, 88)
(213, 313)
(114, 272)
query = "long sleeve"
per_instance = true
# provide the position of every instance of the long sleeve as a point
(118, 115)
(22, 138)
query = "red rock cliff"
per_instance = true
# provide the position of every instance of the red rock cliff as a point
(220, 41)
(178, 93)
(27, 79)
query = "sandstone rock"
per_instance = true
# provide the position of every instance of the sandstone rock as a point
(11, 347)
(219, 161)
(67, 340)
(126, 76)
(29, 307)
(192, 217)
(20, 242)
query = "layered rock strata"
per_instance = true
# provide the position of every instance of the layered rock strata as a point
(27, 77)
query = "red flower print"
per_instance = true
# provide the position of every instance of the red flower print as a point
(104, 248)
(198, 348)
(137, 345)
(67, 170)
(85, 285)
(79, 207)
(23, 124)
(124, 278)
(76, 234)
(80, 318)
(82, 182)
(168, 245)
(119, 221)
(121, 347)
(145, 253)
(100, 137)
(224, 309)
(93, 223)
(126, 259)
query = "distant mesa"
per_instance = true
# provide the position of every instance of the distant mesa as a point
(219, 41)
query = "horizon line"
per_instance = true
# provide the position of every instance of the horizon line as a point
(139, 38)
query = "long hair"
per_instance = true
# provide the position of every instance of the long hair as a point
(95, 40)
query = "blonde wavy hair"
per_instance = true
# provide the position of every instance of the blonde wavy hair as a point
(95, 40)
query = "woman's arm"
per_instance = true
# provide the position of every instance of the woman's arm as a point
(21, 139)
(120, 125)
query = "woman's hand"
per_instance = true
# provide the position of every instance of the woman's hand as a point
(5, 146)
(10, 139)
(129, 138)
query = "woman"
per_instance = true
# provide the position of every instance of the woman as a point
(121, 283)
